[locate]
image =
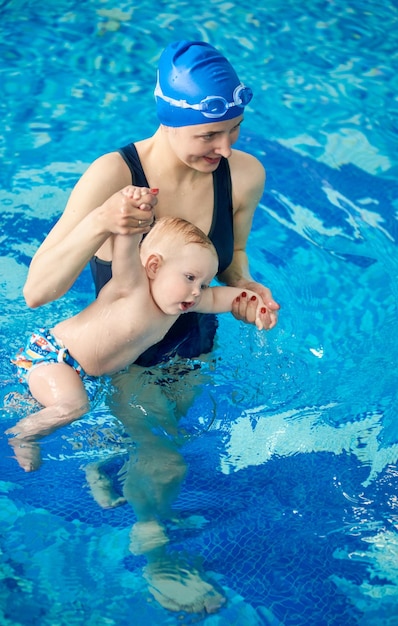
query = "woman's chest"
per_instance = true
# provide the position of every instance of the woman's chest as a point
(194, 203)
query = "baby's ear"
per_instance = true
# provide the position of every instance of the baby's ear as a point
(153, 262)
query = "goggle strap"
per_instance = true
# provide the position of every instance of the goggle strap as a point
(204, 105)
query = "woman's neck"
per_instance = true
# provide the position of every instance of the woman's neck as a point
(159, 161)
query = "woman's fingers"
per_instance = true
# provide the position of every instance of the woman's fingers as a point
(244, 308)
(136, 210)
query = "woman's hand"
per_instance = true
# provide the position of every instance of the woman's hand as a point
(129, 211)
(244, 308)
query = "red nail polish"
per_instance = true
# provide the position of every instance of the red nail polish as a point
(237, 298)
(253, 298)
(154, 190)
(244, 294)
(263, 310)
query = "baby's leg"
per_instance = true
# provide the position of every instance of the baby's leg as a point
(59, 388)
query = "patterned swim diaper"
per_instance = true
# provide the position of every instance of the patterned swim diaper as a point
(43, 347)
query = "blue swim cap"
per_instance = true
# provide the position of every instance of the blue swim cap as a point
(197, 85)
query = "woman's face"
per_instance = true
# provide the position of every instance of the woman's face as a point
(202, 146)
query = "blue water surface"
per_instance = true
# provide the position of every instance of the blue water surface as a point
(290, 500)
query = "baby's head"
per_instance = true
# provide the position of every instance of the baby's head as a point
(185, 260)
(170, 234)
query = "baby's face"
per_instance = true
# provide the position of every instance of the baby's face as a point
(181, 280)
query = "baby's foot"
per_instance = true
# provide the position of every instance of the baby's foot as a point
(27, 453)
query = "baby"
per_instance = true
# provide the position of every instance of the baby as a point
(154, 281)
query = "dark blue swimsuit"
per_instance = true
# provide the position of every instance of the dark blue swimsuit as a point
(193, 333)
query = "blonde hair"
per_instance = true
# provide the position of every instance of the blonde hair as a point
(168, 234)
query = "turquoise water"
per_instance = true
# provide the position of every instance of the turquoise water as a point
(290, 498)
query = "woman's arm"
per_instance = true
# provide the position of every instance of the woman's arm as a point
(248, 179)
(91, 216)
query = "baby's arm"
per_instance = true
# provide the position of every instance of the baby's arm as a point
(126, 262)
(221, 299)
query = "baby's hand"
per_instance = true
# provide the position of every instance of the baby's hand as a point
(261, 317)
(141, 197)
(246, 308)
(130, 210)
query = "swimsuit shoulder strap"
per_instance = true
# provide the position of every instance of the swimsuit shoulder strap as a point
(130, 155)
(222, 231)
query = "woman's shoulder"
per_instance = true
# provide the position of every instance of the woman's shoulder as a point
(244, 160)
(110, 165)
(108, 158)
(246, 169)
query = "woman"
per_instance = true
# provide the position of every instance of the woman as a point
(200, 105)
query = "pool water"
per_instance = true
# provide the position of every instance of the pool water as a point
(290, 500)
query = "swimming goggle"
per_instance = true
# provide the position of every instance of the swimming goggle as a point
(211, 106)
